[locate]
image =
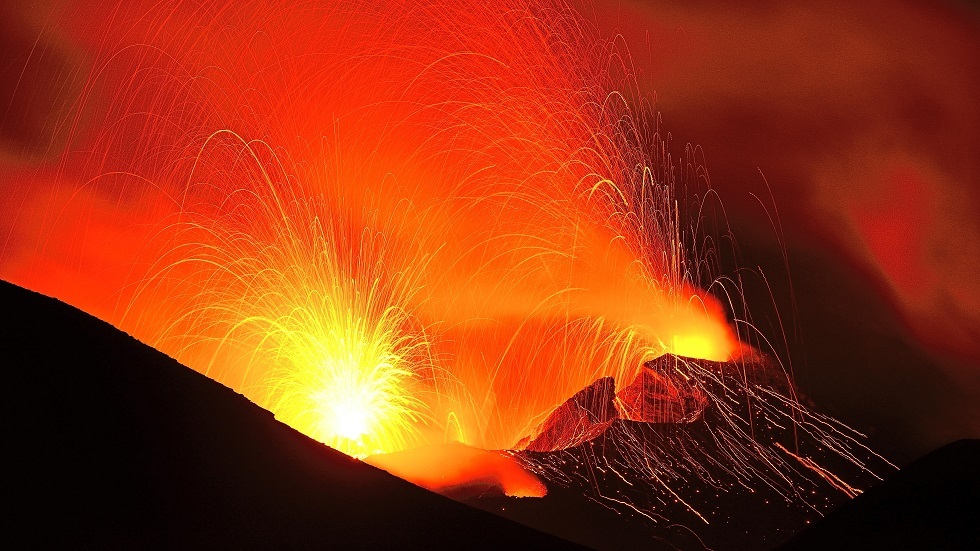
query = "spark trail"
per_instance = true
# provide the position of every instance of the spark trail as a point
(392, 224)
(274, 161)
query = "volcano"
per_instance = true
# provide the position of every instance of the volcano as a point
(692, 453)
(111, 444)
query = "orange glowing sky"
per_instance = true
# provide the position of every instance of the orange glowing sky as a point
(444, 221)
(484, 163)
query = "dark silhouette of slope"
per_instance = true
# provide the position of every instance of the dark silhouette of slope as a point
(933, 503)
(112, 444)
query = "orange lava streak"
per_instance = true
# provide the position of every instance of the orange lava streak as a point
(490, 146)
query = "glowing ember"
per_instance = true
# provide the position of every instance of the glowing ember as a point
(391, 226)
(461, 471)
(384, 230)
(307, 316)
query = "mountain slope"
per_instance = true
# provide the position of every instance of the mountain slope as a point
(110, 443)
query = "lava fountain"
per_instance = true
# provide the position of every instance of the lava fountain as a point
(298, 307)
(387, 226)
(391, 224)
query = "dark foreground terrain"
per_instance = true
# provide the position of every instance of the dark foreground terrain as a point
(111, 444)
(933, 503)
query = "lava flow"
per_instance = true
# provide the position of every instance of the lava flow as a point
(393, 226)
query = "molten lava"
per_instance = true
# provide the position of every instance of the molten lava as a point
(461, 471)
(390, 225)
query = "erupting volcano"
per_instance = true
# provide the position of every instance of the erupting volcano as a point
(420, 232)
(389, 227)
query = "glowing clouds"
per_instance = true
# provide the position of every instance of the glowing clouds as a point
(459, 471)
(408, 233)
(284, 298)
(388, 229)
(697, 346)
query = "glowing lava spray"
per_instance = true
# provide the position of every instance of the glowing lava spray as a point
(389, 226)
(390, 223)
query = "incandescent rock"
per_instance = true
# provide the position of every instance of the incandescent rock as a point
(581, 418)
(662, 393)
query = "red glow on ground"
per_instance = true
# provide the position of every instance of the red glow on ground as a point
(457, 470)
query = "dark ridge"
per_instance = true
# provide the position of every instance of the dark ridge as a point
(933, 503)
(112, 444)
